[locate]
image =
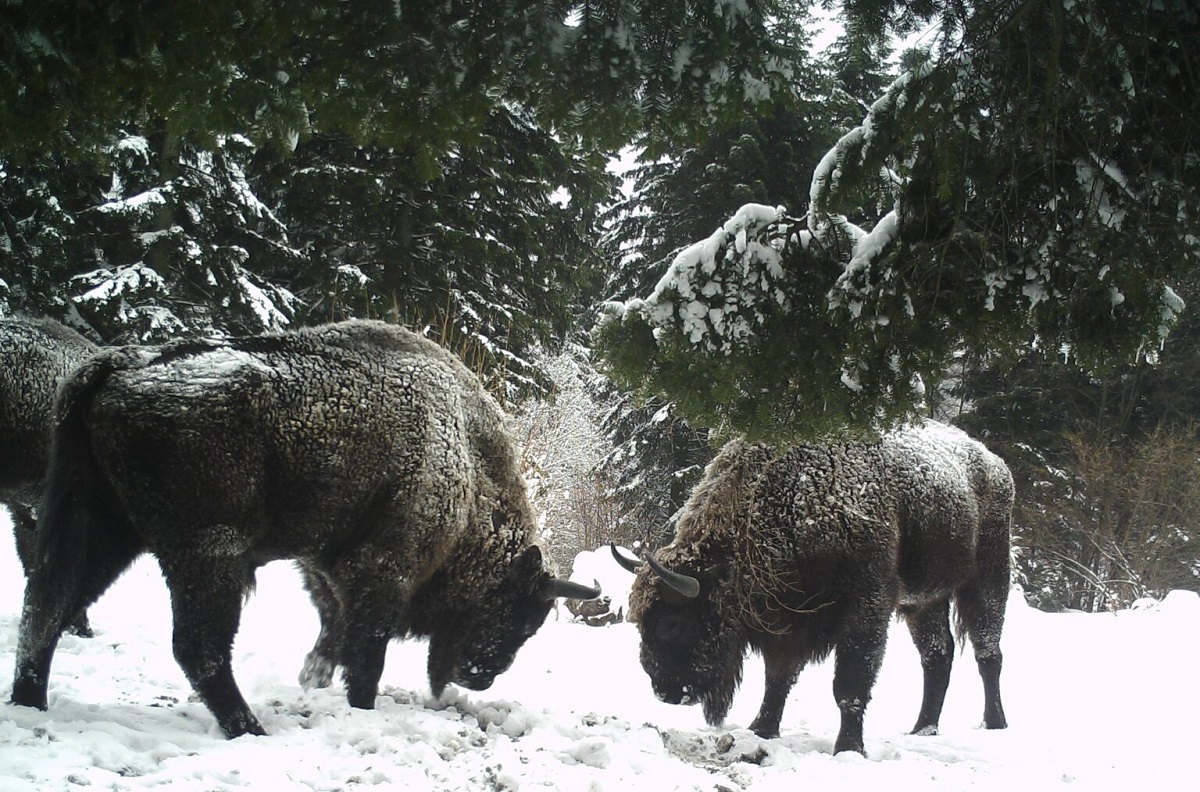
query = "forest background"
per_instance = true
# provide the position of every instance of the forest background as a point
(996, 228)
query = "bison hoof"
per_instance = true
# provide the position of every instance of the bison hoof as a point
(81, 628)
(765, 730)
(841, 747)
(28, 692)
(243, 724)
(361, 699)
(317, 672)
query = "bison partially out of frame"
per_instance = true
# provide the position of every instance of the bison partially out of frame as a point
(368, 454)
(808, 551)
(35, 355)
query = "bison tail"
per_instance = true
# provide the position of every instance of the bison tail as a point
(84, 528)
(84, 540)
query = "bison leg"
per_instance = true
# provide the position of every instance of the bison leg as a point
(79, 625)
(73, 575)
(206, 605)
(930, 629)
(982, 616)
(38, 633)
(371, 615)
(322, 659)
(363, 656)
(25, 534)
(859, 654)
(981, 604)
(782, 669)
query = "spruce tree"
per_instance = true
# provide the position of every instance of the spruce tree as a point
(412, 74)
(145, 239)
(661, 446)
(492, 256)
(1038, 182)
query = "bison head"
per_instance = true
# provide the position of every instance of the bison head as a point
(692, 647)
(471, 646)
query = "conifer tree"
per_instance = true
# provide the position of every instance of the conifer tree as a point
(426, 139)
(413, 75)
(658, 453)
(492, 256)
(143, 240)
(1039, 185)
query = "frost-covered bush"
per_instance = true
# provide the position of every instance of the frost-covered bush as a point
(562, 447)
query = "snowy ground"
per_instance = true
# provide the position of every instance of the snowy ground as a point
(1095, 702)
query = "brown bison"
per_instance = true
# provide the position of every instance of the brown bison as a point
(35, 354)
(368, 454)
(810, 551)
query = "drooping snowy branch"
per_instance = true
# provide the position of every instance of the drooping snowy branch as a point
(854, 148)
(718, 290)
(1022, 206)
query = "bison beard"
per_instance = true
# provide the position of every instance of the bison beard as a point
(811, 551)
(369, 455)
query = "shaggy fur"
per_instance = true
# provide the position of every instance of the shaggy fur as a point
(35, 354)
(811, 551)
(365, 452)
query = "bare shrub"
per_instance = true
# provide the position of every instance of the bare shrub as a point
(1122, 524)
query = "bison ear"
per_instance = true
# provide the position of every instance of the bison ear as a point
(719, 570)
(529, 564)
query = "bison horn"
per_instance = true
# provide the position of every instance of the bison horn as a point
(628, 564)
(557, 587)
(686, 585)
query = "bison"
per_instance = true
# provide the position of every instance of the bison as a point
(35, 354)
(366, 453)
(807, 551)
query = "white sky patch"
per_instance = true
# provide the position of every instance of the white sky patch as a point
(561, 197)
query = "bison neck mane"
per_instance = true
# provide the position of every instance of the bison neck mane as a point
(775, 518)
(713, 527)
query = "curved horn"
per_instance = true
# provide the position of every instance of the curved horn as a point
(628, 564)
(686, 585)
(557, 587)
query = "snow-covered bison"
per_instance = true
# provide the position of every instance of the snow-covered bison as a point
(801, 553)
(368, 454)
(35, 354)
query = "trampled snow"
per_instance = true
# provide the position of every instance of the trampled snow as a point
(1094, 702)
